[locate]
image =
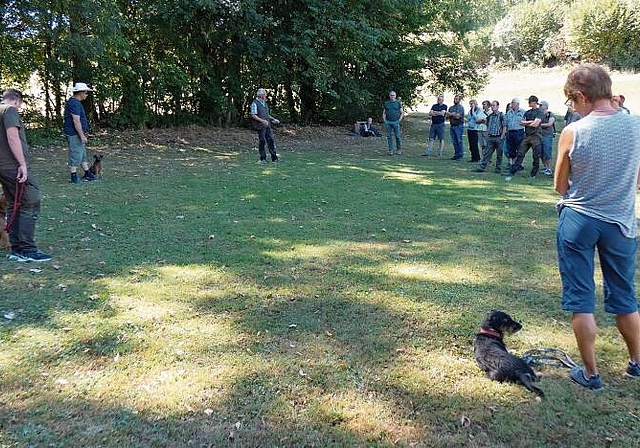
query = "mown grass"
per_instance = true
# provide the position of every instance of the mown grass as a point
(199, 298)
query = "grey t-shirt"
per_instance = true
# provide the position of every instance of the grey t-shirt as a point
(605, 159)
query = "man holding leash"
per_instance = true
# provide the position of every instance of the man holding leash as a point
(20, 187)
(75, 127)
(261, 121)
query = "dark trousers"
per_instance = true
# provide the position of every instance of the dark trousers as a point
(514, 140)
(529, 142)
(265, 137)
(472, 135)
(23, 227)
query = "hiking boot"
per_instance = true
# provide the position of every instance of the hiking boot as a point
(16, 256)
(36, 255)
(75, 179)
(633, 371)
(592, 383)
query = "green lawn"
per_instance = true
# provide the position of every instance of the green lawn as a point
(198, 298)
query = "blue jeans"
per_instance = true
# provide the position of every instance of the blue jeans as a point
(456, 139)
(547, 145)
(393, 127)
(265, 136)
(578, 235)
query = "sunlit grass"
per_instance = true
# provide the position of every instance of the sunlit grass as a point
(331, 300)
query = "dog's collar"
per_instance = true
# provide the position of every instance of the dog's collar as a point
(491, 332)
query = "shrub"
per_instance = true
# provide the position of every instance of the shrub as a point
(606, 31)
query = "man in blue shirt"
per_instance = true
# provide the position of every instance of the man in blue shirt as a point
(515, 134)
(75, 127)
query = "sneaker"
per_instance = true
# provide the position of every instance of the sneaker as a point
(547, 172)
(593, 382)
(508, 178)
(88, 176)
(633, 371)
(478, 170)
(16, 256)
(532, 177)
(263, 161)
(390, 153)
(36, 255)
(399, 153)
(497, 171)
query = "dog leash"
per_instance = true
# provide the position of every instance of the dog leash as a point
(20, 188)
(548, 357)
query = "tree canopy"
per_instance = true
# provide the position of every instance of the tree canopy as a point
(155, 62)
(171, 62)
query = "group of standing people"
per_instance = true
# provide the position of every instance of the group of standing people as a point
(490, 131)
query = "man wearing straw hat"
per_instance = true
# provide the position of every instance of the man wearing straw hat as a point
(75, 128)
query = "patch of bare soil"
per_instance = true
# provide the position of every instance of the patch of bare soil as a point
(224, 139)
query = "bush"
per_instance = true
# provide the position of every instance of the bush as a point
(606, 31)
(531, 32)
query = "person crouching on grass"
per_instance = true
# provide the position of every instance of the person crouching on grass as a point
(75, 128)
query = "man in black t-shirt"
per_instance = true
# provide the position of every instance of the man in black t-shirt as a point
(532, 133)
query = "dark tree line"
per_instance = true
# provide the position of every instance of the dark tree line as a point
(170, 62)
(173, 62)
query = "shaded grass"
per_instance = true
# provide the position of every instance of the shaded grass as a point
(199, 298)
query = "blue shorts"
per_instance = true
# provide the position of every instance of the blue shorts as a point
(547, 145)
(578, 236)
(436, 131)
(77, 150)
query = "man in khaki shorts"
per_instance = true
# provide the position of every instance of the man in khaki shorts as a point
(75, 128)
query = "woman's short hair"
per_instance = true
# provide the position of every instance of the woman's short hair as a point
(591, 79)
(12, 94)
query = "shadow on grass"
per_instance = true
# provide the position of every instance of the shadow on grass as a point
(340, 293)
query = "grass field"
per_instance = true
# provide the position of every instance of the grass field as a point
(198, 298)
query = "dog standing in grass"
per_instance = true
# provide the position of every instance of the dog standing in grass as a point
(493, 357)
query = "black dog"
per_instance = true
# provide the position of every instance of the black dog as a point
(96, 167)
(492, 356)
